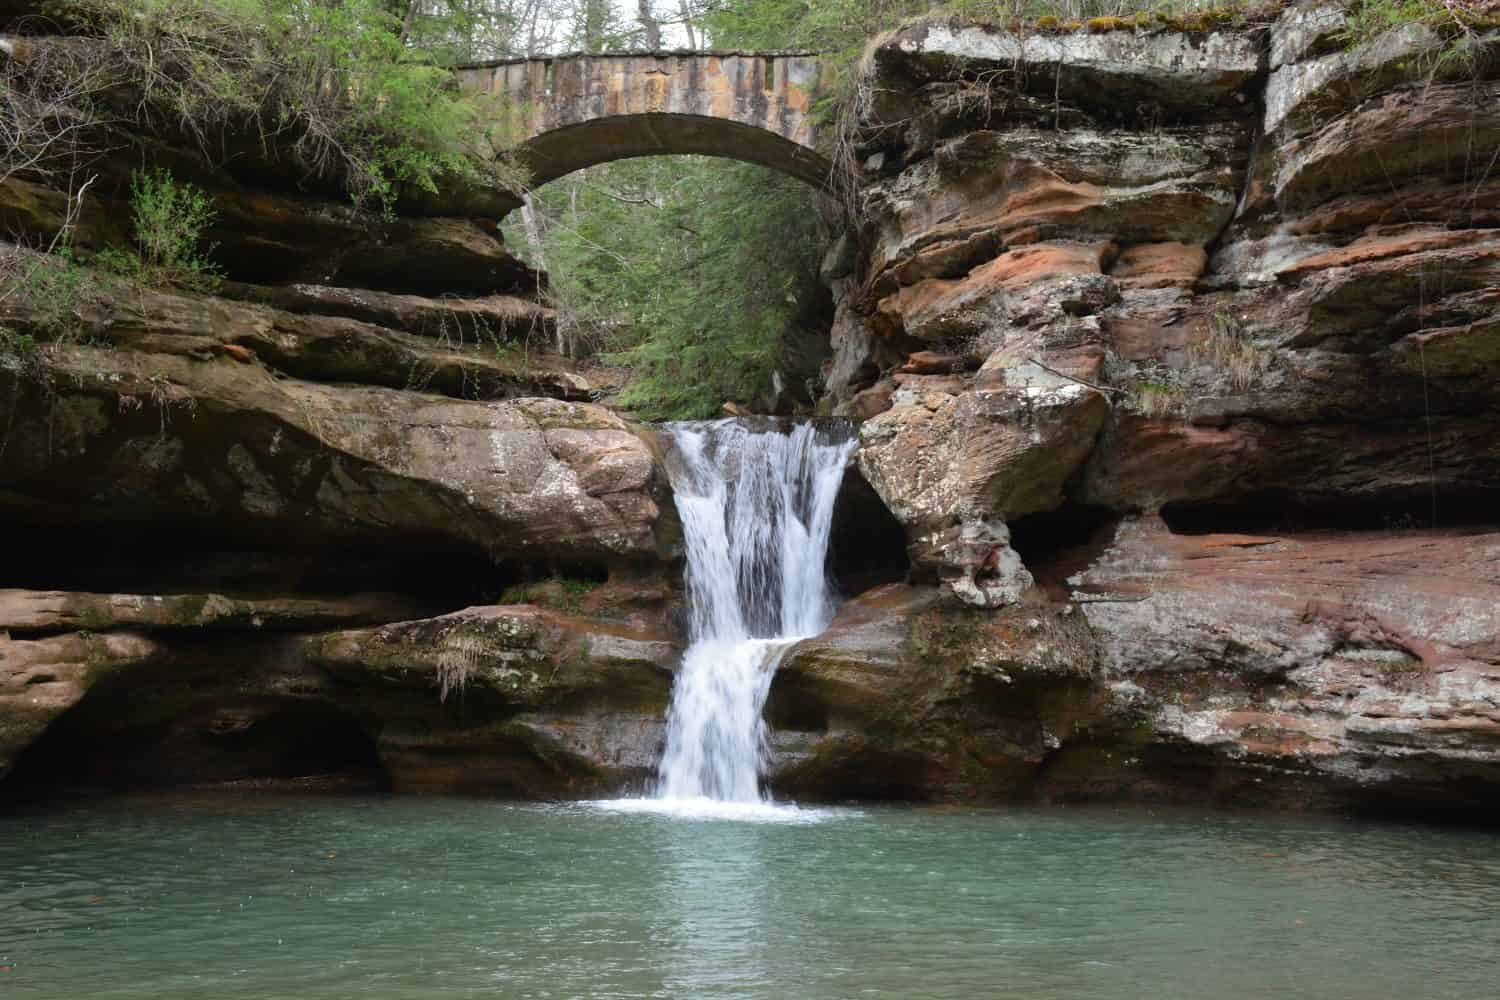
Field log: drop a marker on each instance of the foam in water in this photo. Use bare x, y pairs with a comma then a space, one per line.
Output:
719, 809
757, 507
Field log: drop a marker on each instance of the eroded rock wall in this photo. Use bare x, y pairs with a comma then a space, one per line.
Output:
367, 422
1176, 356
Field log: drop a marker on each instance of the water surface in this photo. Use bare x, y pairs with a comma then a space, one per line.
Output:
267, 896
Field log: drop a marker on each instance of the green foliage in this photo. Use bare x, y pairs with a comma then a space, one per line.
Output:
168, 219
48, 288
699, 274
1368, 18
16, 345
1456, 22
333, 84
560, 593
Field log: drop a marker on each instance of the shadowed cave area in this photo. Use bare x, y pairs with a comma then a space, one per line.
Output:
210, 714
868, 545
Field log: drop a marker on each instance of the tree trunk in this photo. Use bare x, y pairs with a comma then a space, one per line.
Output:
413, 8
533, 232
595, 24
649, 25
687, 23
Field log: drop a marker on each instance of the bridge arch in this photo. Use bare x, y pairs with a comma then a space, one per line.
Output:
580, 110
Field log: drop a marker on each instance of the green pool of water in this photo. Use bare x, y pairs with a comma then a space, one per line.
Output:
221, 897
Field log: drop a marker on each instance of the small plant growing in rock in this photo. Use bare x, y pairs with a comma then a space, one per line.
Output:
1229, 350
1456, 23
168, 219
560, 593
460, 656
44, 290
1161, 396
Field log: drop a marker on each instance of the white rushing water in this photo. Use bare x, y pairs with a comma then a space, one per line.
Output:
756, 504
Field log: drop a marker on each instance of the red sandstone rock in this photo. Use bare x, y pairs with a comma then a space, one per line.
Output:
1159, 265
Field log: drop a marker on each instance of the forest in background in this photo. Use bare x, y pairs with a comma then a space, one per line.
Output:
697, 275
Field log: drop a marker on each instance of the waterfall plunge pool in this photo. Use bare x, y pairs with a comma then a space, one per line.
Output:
225, 896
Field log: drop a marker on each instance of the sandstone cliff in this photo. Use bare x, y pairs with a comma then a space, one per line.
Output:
1177, 350
1175, 353
364, 423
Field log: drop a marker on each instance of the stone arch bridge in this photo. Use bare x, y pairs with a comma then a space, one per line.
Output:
579, 110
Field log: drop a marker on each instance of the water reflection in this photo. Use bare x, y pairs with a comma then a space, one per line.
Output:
716, 908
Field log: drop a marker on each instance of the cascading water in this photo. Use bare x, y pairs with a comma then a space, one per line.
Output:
756, 504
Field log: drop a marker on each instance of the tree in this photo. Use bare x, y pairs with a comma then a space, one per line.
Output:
650, 28
699, 274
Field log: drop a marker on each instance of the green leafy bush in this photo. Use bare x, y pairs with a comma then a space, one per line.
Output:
167, 223
168, 219
334, 85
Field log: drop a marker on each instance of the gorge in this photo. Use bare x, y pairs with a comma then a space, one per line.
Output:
1170, 348
1089, 588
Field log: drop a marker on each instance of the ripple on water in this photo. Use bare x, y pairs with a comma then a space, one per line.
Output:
426, 899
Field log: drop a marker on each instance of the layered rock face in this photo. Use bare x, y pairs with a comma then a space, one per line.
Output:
1175, 358
365, 422
1304, 670
1176, 352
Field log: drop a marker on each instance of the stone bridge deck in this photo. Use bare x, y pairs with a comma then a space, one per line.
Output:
578, 110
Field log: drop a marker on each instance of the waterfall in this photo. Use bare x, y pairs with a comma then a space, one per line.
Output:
756, 504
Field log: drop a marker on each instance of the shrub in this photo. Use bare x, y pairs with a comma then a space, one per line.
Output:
333, 85
1229, 350
168, 219
1160, 397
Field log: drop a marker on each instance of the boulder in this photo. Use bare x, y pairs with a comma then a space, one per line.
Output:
40, 679
906, 696
513, 699
954, 468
